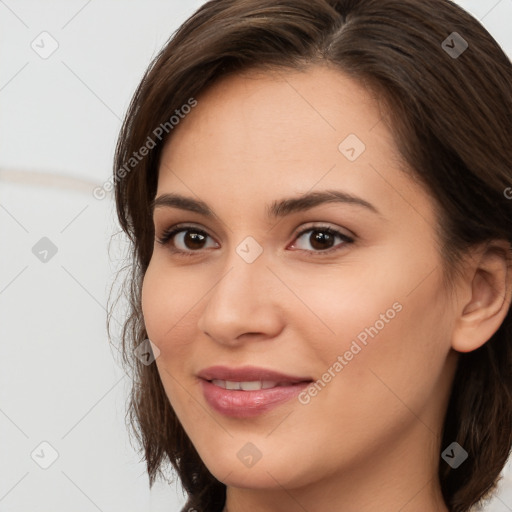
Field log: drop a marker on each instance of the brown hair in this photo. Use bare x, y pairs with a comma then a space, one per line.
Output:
451, 118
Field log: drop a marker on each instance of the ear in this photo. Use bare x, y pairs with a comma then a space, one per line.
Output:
486, 291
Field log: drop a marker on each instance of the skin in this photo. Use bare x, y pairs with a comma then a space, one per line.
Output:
370, 439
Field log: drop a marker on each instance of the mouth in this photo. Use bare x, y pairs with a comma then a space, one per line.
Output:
249, 374
248, 391
254, 385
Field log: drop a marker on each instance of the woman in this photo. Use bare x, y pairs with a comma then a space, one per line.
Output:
315, 195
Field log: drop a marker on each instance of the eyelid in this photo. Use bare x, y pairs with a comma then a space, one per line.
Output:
318, 226
169, 234
323, 225
183, 226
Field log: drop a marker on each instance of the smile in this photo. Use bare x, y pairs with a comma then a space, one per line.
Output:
254, 385
248, 391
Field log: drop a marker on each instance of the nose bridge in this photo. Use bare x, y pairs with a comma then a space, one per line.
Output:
245, 266
240, 301
240, 287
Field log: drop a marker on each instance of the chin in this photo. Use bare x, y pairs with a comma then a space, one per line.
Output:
269, 472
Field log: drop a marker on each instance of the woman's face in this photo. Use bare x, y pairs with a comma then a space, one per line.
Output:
306, 251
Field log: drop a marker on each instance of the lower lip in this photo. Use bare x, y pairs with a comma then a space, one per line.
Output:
247, 404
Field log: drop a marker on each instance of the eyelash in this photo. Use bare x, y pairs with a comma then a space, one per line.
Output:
168, 235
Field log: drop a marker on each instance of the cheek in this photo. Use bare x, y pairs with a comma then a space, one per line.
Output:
389, 321
335, 305
153, 304
395, 289
168, 308
168, 299
390, 374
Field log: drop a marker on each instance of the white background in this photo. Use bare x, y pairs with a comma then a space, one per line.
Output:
60, 381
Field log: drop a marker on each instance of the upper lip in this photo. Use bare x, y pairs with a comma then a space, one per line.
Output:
248, 374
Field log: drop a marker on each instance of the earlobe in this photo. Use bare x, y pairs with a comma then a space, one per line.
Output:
489, 278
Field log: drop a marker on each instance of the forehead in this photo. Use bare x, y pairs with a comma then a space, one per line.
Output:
279, 133
279, 114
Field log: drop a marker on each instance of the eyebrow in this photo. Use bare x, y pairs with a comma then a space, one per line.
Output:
276, 209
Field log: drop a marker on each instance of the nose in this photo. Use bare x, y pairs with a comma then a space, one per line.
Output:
243, 304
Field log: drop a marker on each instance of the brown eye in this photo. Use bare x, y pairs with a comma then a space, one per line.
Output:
320, 239
187, 239
193, 240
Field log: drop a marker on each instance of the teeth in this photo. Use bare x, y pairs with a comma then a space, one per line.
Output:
245, 386
251, 386
231, 385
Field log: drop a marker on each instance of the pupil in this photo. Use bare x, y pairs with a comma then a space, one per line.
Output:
194, 240
318, 238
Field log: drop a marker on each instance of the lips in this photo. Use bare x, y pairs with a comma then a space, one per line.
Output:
247, 385
248, 374
248, 391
